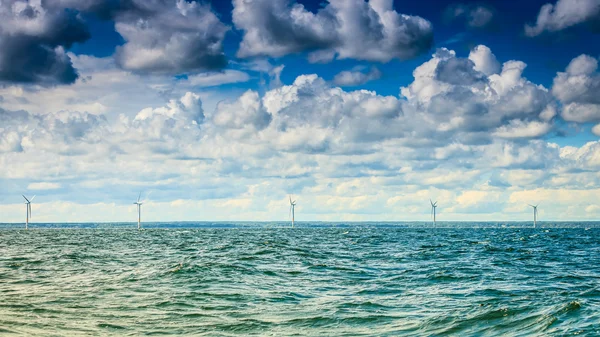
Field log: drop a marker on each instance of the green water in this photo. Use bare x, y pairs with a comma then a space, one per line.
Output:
363, 280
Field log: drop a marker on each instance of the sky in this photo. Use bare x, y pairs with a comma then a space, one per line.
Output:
362, 110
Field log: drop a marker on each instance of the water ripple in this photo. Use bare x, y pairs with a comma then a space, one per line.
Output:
308, 281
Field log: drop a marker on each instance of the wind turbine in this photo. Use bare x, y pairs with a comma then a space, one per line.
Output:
534, 214
292, 209
28, 210
433, 207
139, 209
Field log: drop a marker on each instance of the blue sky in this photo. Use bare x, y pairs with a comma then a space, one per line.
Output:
362, 109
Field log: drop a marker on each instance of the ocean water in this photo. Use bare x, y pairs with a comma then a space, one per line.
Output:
317, 280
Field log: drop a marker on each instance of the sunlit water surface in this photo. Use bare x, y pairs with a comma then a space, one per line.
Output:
318, 281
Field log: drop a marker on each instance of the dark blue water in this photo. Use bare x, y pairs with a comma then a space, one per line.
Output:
353, 280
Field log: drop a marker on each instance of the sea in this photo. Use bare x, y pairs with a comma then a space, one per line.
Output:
317, 279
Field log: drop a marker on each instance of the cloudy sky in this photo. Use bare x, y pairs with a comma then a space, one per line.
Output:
363, 110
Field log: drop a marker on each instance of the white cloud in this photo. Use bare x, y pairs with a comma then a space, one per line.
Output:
548, 199
563, 14
275, 75
475, 201
247, 111
520, 129
596, 130
161, 37
33, 38
187, 108
577, 89
219, 78
170, 37
463, 125
484, 60
43, 186
594, 209
105, 89
10, 142
582, 113
453, 97
356, 77
548, 113
354, 29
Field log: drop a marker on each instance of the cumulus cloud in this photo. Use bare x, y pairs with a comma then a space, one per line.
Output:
247, 111
355, 29
582, 113
577, 89
467, 101
520, 129
564, 14
161, 37
449, 101
356, 77
468, 97
33, 38
464, 124
170, 37
485, 61
536, 155
64, 132
187, 108
310, 101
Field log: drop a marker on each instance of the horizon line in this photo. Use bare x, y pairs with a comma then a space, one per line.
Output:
307, 221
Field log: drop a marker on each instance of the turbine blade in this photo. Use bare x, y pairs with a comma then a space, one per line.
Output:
29, 208
32, 199
139, 196
25, 198
431, 202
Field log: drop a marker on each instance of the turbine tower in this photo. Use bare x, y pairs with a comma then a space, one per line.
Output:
433, 207
292, 210
28, 210
139, 209
535, 211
